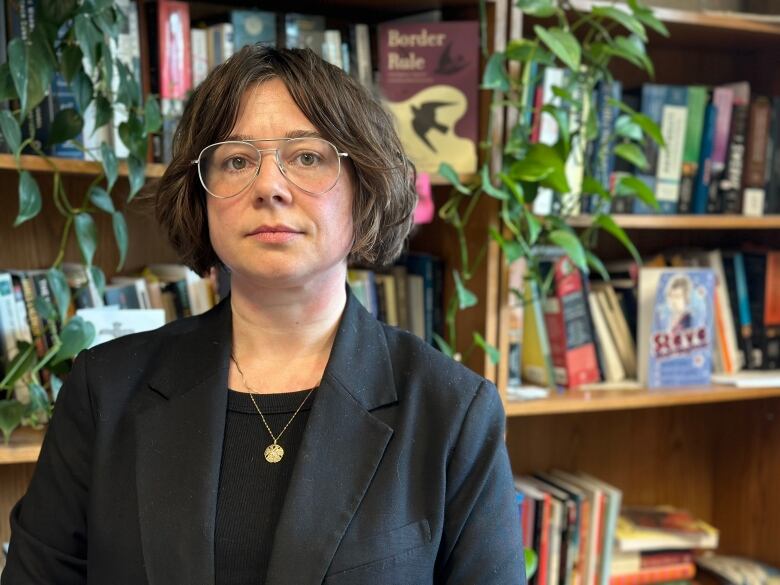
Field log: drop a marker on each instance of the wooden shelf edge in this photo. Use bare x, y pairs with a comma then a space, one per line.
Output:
684, 222
25, 447
70, 166
579, 402
723, 21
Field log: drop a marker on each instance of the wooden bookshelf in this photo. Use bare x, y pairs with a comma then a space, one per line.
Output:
69, 166
594, 401
24, 447
685, 222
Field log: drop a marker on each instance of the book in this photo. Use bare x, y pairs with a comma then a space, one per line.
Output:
304, 31
755, 265
675, 336
736, 283
732, 570
730, 185
361, 69
618, 326
651, 528
749, 379
723, 101
111, 323
754, 180
199, 42
772, 204
536, 363
694, 132
252, 27
429, 76
701, 184
772, 311
127, 49
613, 366
567, 319
679, 573
516, 275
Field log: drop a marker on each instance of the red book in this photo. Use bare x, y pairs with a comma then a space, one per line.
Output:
665, 559
568, 326
772, 299
173, 26
679, 572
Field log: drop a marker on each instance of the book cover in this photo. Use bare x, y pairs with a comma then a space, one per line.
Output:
429, 77
772, 205
199, 42
127, 49
251, 27
694, 131
772, 311
516, 276
174, 53
675, 326
734, 272
602, 162
703, 178
730, 185
567, 318
755, 264
360, 65
536, 363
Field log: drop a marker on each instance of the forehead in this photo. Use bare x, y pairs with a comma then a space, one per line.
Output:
267, 110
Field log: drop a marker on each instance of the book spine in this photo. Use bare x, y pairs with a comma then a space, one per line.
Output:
694, 130
515, 322
664, 559
603, 160
730, 187
723, 99
755, 277
653, 97
362, 47
754, 179
772, 205
8, 324
669, 168
200, 55
704, 170
656, 575
127, 49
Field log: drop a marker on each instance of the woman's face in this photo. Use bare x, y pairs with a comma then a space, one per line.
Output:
273, 234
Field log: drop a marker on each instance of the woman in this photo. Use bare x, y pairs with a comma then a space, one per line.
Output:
284, 437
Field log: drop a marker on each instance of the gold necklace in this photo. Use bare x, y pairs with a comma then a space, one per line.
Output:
274, 452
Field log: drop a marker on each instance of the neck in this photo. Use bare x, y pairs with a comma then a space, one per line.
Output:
282, 337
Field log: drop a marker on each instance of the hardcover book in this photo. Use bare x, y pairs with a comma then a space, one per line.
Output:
429, 75
675, 326
253, 26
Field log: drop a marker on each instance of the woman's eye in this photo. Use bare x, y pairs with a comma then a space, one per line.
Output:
237, 163
308, 159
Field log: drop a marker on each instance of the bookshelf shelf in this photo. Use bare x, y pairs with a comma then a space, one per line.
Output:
25, 446
686, 222
69, 166
578, 402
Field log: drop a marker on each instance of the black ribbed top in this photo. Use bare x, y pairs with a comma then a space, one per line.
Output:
251, 490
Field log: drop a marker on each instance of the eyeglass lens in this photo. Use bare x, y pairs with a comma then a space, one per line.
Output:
227, 168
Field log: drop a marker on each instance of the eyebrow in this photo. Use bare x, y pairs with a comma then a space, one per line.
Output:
290, 134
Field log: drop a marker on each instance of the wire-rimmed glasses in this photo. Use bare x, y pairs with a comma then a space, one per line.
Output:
228, 168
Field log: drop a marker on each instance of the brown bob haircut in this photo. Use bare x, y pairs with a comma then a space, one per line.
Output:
343, 112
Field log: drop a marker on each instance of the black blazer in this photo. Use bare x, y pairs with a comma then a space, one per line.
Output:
402, 477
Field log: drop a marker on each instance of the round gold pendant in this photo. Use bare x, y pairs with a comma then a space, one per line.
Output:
274, 453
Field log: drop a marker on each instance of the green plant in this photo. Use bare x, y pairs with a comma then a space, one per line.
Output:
583, 44
71, 39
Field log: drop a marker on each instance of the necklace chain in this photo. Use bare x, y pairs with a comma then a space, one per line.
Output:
252, 393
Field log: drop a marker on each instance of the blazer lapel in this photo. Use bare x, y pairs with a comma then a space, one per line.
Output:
180, 424
341, 449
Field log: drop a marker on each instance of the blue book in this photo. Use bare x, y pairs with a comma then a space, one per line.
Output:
425, 265
253, 26
675, 326
667, 106
704, 172
602, 162
62, 98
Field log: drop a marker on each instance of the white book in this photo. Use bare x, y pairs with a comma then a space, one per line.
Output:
141, 288
8, 319
111, 323
548, 131
331, 48
613, 366
674, 121
199, 46
749, 379
198, 289
362, 48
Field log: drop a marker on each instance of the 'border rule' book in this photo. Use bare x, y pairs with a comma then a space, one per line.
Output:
429, 77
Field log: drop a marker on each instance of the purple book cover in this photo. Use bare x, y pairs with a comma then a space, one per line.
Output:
723, 99
681, 335
429, 76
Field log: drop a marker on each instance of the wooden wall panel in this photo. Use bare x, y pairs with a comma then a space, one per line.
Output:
14, 480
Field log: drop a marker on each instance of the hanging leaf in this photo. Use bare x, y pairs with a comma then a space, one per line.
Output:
561, 119
88, 38
594, 187
608, 224
531, 563
646, 16
7, 89
490, 350
11, 413
446, 171
633, 50
82, 90
514, 187
534, 226
26, 77
487, 185
29, 198
97, 276
75, 336
627, 128
136, 175
56, 11
633, 154
511, 249
86, 234
572, 245
546, 164
630, 185
466, 298
495, 76
101, 199
625, 19
596, 263
120, 234
70, 62
39, 399
563, 44
103, 111
11, 131
538, 8
67, 124
61, 291
152, 115
110, 165
443, 345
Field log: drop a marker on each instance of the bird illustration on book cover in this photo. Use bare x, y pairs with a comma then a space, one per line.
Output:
429, 78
